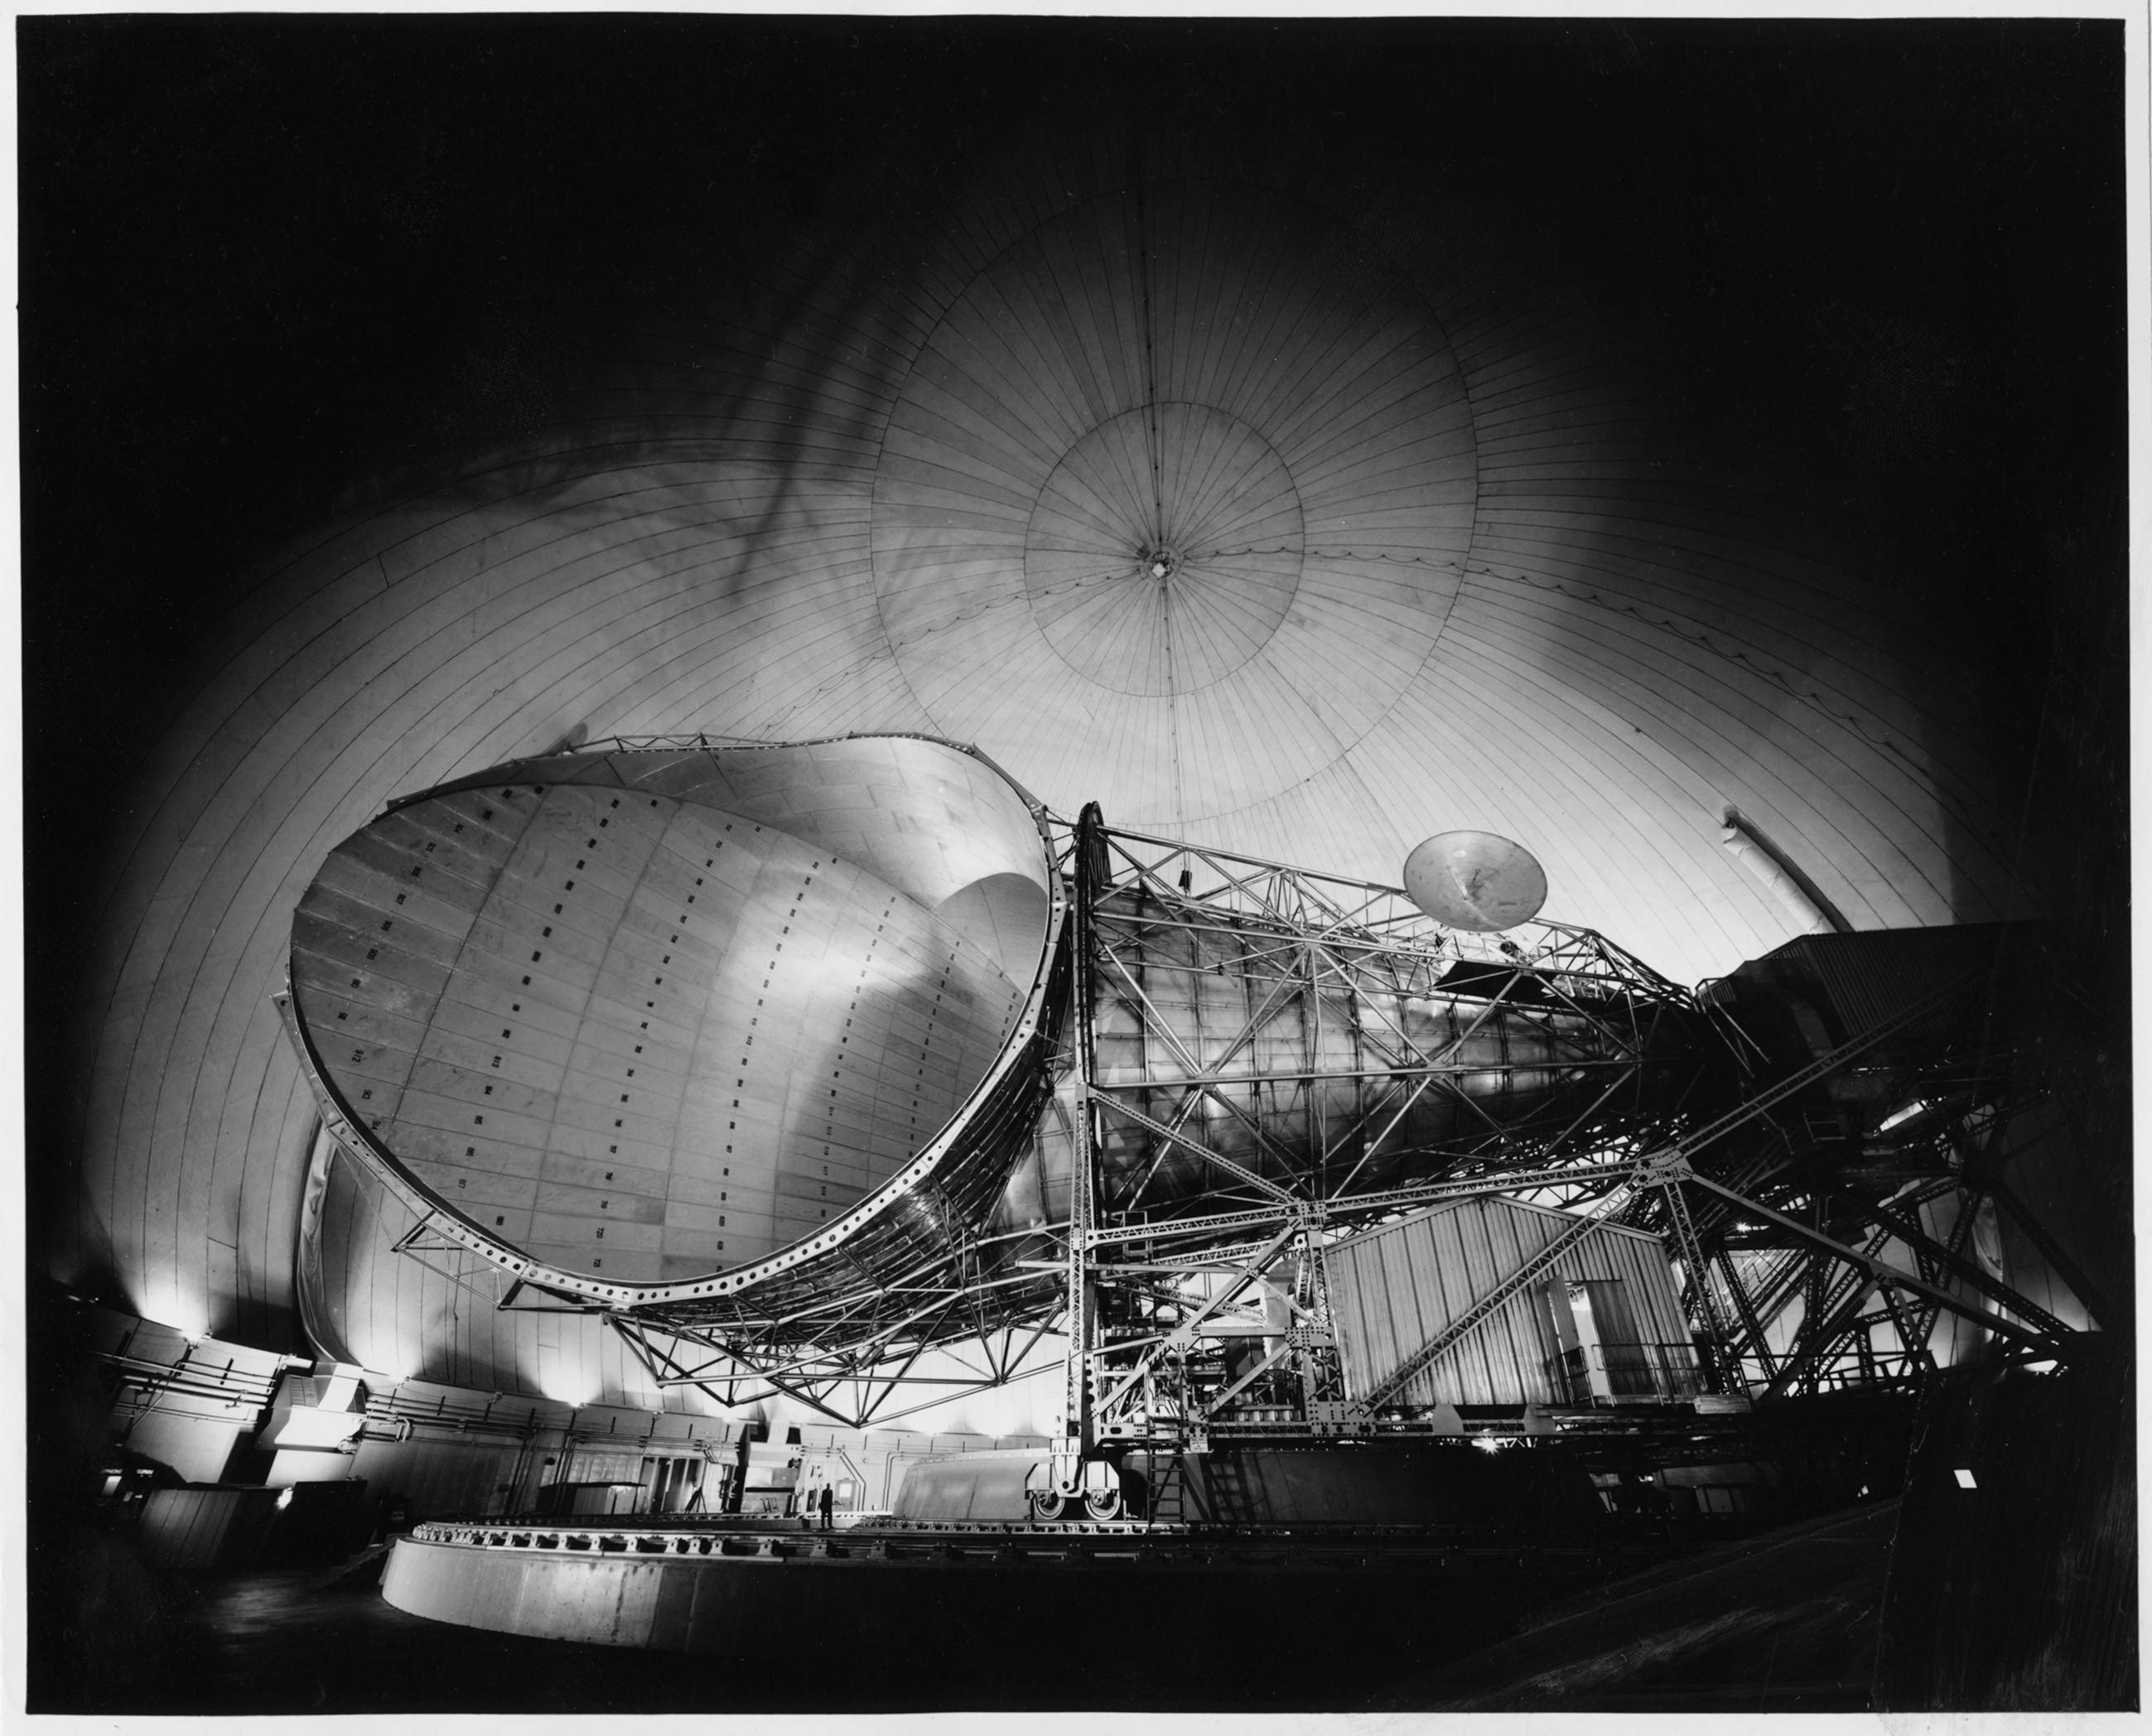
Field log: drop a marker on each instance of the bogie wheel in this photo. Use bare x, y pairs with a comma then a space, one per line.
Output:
1102, 1503
1048, 1504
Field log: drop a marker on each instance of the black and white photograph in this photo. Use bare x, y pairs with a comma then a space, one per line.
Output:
1363, 782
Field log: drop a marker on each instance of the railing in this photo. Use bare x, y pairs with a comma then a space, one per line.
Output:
1654, 1373
1323, 1547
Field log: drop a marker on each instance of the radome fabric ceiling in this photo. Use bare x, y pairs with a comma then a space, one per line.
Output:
1289, 513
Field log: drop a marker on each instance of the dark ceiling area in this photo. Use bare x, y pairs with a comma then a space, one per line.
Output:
264, 259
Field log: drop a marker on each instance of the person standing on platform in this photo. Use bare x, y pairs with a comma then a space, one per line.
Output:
828, 1505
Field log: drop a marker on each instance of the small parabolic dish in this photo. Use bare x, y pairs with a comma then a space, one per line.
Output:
1476, 881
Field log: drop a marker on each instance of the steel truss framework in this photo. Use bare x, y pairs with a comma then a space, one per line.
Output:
1213, 1160
1170, 1281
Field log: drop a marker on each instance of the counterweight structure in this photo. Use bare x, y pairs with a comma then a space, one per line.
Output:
1184, 1084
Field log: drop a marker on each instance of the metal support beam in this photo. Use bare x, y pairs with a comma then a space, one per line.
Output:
1079, 1424
1816, 1071
1970, 1270
1891, 1275
1699, 1273
1159, 1129
2094, 1301
1752, 1327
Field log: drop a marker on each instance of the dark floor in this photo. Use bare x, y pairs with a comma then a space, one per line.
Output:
1781, 1622
1784, 1622
278, 1642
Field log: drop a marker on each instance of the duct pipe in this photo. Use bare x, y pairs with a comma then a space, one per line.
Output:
1787, 885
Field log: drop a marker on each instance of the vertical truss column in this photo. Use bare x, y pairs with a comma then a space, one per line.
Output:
1698, 1270
1314, 1340
1079, 1423
1752, 1325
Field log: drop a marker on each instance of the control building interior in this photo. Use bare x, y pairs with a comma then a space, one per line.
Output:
1076, 820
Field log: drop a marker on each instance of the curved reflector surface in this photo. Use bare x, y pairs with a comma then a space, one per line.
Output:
643, 1016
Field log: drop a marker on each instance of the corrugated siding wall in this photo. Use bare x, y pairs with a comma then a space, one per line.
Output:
438, 1477
200, 1530
1870, 977
1394, 1290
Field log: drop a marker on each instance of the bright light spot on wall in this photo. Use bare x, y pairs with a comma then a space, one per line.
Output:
283, 1500
568, 1385
1965, 1480
190, 1319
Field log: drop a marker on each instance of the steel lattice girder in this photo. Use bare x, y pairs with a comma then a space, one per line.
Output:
1281, 1052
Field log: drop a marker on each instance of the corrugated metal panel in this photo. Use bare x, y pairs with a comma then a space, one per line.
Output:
200, 1530
440, 1476
1396, 1289
1868, 978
